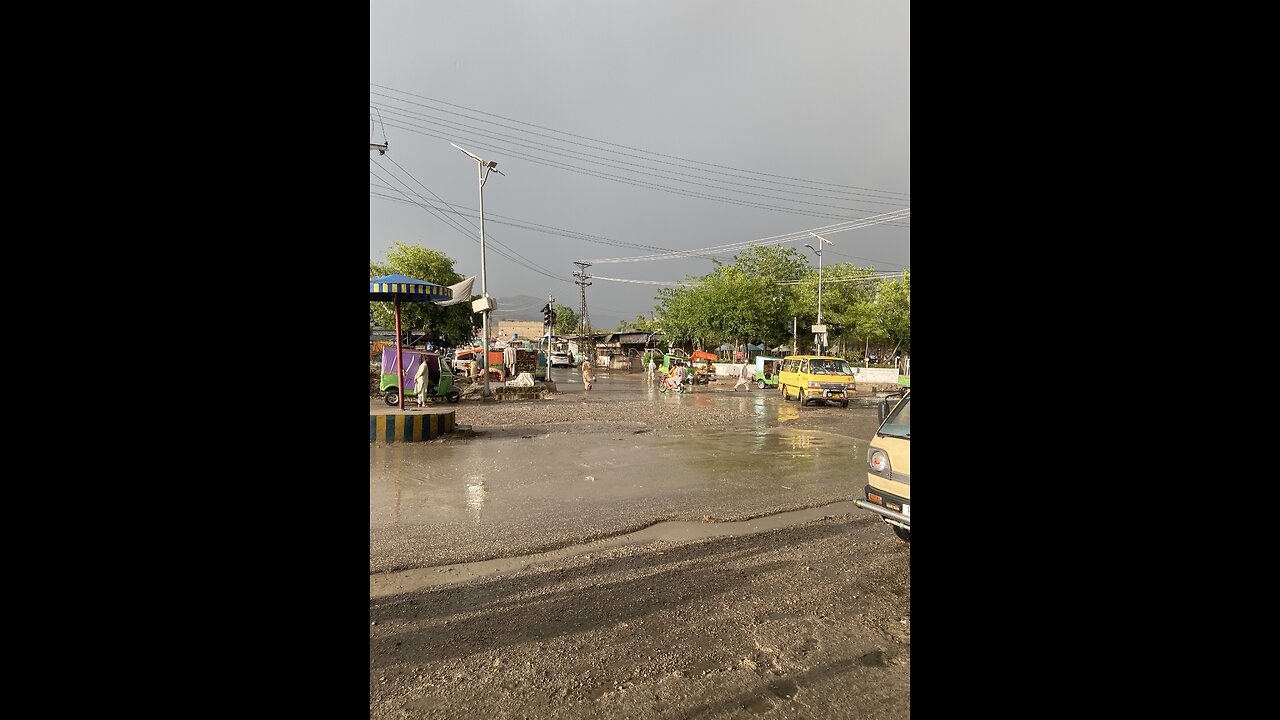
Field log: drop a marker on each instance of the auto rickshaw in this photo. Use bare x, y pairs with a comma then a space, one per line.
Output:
412, 358
767, 371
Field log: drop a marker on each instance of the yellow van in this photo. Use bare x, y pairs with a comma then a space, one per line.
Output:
888, 490
816, 378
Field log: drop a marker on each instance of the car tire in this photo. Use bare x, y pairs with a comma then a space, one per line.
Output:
803, 401
844, 404
904, 534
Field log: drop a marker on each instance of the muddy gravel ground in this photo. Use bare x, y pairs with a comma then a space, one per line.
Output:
810, 621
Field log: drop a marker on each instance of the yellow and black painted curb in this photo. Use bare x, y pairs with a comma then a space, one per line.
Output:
389, 428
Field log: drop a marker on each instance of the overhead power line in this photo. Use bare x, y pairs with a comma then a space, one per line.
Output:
463, 210
774, 240
698, 163
453, 224
407, 115
529, 224
627, 181
488, 236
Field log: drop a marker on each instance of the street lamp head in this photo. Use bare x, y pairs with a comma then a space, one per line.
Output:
493, 165
473, 157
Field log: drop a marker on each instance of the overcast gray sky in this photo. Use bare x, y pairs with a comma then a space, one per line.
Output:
627, 128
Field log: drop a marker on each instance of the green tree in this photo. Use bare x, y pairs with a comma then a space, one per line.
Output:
847, 290
454, 325
756, 297
772, 262
641, 323
780, 302
893, 311
566, 320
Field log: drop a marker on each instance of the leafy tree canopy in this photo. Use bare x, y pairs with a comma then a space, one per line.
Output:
450, 326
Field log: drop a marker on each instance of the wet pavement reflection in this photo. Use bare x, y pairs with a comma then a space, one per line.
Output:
552, 483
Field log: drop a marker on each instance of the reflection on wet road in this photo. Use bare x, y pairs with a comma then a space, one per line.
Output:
488, 478
559, 483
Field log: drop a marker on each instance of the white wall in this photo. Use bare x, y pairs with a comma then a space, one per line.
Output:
876, 376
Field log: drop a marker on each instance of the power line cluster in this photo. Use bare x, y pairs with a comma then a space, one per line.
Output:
502, 249
780, 188
762, 242
443, 125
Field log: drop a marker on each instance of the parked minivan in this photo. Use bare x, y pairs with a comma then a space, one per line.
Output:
816, 378
888, 490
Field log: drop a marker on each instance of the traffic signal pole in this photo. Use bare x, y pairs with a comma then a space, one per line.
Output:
548, 324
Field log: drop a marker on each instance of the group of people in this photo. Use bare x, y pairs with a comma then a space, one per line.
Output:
677, 377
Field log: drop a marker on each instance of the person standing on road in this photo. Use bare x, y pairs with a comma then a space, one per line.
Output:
588, 374
420, 381
653, 368
745, 376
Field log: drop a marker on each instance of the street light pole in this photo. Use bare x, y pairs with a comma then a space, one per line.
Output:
482, 173
822, 240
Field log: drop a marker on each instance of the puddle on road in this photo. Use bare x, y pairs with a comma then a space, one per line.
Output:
384, 584
499, 482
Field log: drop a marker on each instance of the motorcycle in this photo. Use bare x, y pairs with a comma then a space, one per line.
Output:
686, 384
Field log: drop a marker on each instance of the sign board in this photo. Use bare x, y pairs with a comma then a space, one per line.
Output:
819, 328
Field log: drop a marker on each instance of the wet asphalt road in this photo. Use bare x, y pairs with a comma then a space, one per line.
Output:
805, 620
544, 474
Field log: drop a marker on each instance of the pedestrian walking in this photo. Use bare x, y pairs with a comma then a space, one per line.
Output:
653, 369
588, 374
745, 376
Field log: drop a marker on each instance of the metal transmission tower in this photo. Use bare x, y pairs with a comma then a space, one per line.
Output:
585, 344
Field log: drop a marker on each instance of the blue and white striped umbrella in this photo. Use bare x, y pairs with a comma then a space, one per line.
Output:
400, 287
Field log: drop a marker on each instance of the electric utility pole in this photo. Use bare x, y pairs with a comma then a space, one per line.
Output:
584, 323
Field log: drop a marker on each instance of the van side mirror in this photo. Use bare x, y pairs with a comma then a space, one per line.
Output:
882, 410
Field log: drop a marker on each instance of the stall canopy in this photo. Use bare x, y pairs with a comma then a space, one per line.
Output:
395, 288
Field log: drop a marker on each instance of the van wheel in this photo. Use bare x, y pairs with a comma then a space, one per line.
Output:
803, 401
844, 404
904, 534
392, 397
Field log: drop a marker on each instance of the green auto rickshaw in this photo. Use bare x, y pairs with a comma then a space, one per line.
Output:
412, 358
767, 371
